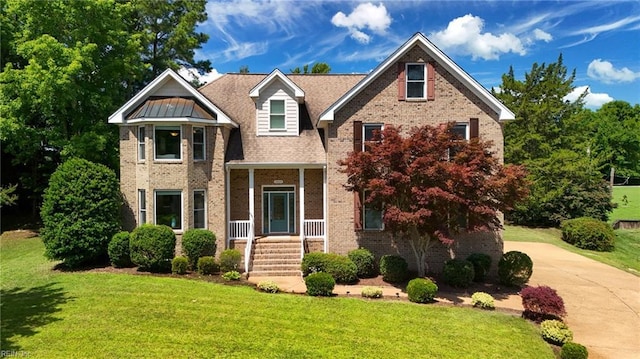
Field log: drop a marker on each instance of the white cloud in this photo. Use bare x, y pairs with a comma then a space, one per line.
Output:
364, 16
191, 74
542, 35
591, 100
464, 36
605, 72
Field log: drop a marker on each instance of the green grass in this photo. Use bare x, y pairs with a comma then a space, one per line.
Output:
629, 209
625, 256
102, 315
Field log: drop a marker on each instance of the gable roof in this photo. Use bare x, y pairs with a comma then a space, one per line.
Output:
441, 58
273, 76
120, 116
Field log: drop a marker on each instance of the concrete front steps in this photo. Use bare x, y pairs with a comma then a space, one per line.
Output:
275, 257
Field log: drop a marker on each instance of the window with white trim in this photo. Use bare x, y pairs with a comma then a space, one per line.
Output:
167, 141
168, 208
142, 207
368, 130
199, 144
372, 218
141, 143
416, 81
461, 131
199, 208
276, 115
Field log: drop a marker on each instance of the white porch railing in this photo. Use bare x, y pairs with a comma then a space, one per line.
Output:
239, 229
314, 228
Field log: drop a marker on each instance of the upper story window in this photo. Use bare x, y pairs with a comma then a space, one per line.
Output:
461, 130
416, 81
368, 131
276, 115
167, 140
141, 143
198, 144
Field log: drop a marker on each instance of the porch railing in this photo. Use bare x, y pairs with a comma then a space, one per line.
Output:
239, 229
314, 228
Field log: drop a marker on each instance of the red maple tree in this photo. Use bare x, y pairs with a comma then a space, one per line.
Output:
432, 184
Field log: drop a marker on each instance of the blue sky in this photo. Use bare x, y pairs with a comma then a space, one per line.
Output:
600, 40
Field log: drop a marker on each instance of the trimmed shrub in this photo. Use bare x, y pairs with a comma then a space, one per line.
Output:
482, 300
179, 265
372, 292
394, 269
341, 268
152, 247
231, 275
80, 212
515, 268
541, 303
207, 265
481, 265
319, 284
555, 332
198, 242
421, 290
268, 286
119, 250
230, 260
571, 350
458, 273
364, 261
588, 233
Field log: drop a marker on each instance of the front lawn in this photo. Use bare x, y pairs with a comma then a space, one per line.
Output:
625, 256
627, 199
82, 314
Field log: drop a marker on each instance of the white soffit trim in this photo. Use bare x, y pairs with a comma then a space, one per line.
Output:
118, 117
441, 59
277, 74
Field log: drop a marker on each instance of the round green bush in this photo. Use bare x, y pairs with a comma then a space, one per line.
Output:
198, 242
319, 284
571, 350
555, 332
80, 212
458, 273
421, 290
341, 268
482, 300
119, 250
231, 275
481, 265
515, 268
207, 265
179, 265
364, 261
588, 233
230, 260
394, 269
152, 247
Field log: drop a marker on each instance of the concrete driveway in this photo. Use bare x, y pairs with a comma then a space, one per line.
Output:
602, 302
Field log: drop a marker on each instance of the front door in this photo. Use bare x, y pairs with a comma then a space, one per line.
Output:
278, 210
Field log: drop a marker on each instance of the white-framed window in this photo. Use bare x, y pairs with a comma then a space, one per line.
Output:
368, 130
142, 207
141, 143
416, 81
168, 208
372, 218
461, 130
199, 208
199, 148
276, 115
167, 142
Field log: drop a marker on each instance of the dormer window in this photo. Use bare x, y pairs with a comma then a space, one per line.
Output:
167, 141
276, 115
416, 81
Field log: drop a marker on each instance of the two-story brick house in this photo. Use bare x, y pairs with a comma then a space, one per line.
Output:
254, 157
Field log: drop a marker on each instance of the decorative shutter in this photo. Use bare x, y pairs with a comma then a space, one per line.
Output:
402, 87
474, 128
357, 203
431, 81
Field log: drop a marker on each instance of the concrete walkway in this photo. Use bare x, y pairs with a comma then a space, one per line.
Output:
602, 302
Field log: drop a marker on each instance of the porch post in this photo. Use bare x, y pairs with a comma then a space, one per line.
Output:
251, 202
325, 209
301, 199
227, 198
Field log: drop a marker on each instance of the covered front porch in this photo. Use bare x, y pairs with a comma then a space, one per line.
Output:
276, 203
